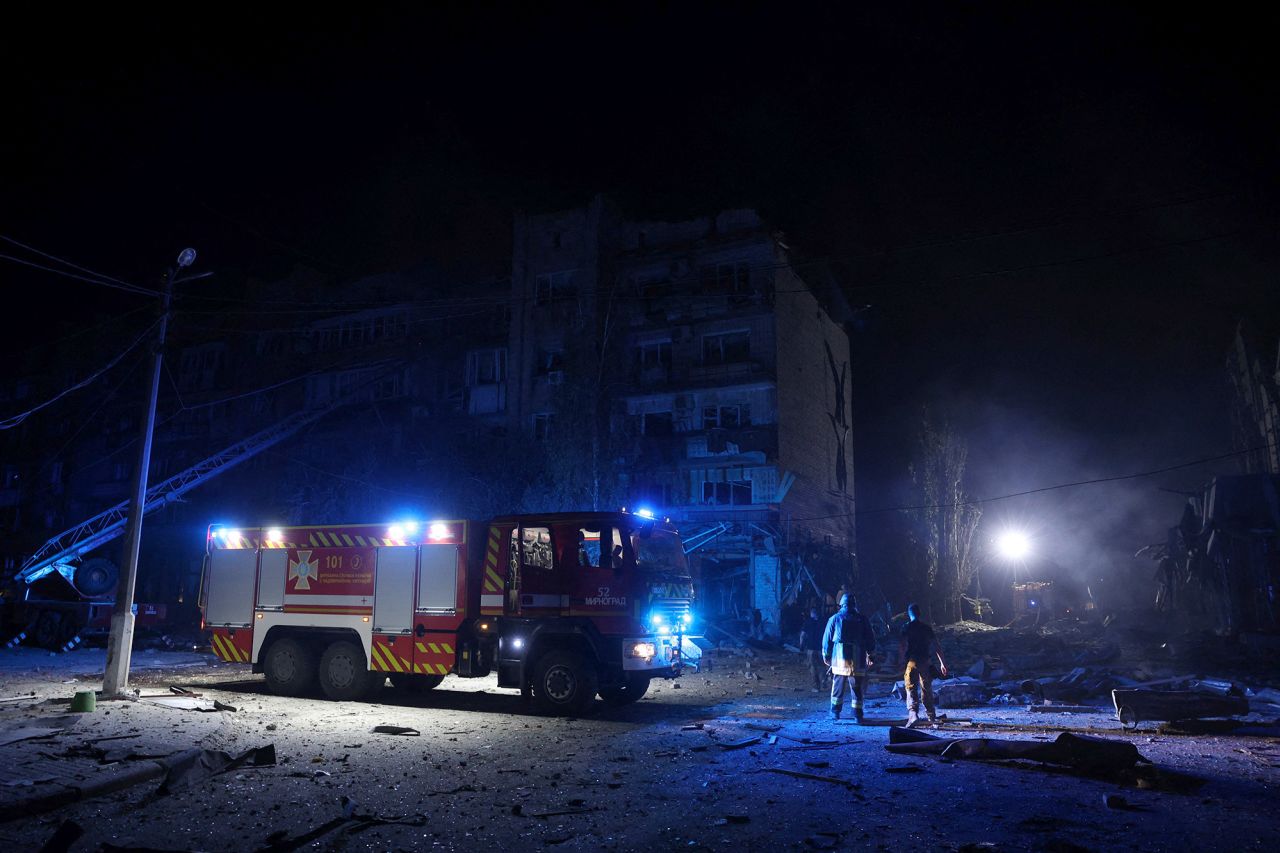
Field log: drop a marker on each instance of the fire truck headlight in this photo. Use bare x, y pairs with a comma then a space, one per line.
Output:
517, 643
643, 650
439, 530
274, 535
395, 531
231, 537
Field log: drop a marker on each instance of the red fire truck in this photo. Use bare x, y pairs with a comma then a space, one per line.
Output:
563, 606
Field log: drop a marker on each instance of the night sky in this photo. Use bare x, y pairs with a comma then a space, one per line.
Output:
1056, 213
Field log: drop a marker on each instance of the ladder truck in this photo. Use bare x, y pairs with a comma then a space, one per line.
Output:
59, 595
562, 606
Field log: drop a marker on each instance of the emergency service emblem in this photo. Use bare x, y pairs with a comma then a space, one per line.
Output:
303, 570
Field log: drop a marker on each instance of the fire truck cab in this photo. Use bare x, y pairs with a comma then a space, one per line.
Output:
563, 606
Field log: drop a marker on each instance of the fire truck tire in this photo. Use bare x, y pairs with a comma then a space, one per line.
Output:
48, 633
563, 684
290, 667
415, 683
630, 690
344, 677
95, 577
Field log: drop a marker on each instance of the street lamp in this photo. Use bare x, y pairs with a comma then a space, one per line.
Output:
120, 643
1013, 545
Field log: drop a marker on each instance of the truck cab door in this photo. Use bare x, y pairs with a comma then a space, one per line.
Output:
532, 587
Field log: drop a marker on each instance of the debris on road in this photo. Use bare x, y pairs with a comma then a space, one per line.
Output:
1135, 706
396, 730
751, 741
1076, 751
39, 728
813, 776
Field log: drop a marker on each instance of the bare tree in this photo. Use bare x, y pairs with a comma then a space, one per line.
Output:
944, 529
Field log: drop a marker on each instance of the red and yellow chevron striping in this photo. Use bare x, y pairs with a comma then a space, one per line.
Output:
227, 650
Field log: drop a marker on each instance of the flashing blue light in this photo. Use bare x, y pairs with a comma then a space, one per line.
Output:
688, 619
645, 512
411, 527
664, 630
656, 618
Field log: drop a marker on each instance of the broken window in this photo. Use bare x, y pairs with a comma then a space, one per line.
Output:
542, 425
658, 423
589, 547
726, 347
725, 417
654, 354
727, 493
733, 277
554, 287
534, 545
486, 366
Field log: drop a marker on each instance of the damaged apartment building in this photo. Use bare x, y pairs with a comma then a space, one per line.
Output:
683, 366
693, 371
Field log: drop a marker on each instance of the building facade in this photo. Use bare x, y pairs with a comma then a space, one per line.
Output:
687, 367
693, 370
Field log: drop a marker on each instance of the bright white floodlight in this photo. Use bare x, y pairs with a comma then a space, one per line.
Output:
1013, 545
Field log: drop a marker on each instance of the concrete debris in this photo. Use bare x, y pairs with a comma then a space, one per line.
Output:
813, 776
396, 730
742, 743
67, 833
1079, 752
1135, 706
39, 728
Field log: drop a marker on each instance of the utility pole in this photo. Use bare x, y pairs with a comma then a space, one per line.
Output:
120, 644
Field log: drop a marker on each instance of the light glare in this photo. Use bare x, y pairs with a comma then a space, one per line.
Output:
1013, 545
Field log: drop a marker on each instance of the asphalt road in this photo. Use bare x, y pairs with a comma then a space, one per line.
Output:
487, 772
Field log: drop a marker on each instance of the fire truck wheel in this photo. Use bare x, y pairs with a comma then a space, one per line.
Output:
48, 633
626, 692
415, 683
343, 674
563, 684
290, 667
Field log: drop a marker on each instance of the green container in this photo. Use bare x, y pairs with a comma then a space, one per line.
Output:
84, 700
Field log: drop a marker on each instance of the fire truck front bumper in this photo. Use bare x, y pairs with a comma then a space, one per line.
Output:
658, 655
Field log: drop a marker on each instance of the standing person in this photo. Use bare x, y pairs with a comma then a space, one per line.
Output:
757, 625
811, 648
919, 647
847, 645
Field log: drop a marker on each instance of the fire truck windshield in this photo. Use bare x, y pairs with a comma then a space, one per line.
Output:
659, 552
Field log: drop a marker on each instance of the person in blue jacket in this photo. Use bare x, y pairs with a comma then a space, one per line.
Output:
847, 645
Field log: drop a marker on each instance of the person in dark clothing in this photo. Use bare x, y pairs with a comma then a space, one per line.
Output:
919, 647
757, 625
811, 648
847, 645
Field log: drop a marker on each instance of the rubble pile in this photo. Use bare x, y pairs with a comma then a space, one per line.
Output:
1076, 664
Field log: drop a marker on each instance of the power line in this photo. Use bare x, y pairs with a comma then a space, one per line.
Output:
65, 274
1042, 489
16, 420
327, 306
797, 265
56, 341
85, 421
65, 262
